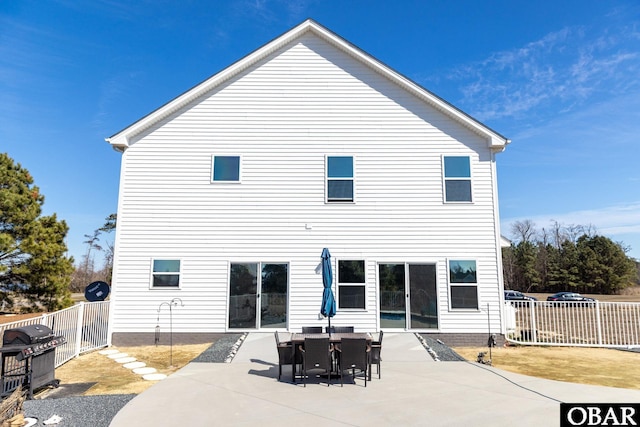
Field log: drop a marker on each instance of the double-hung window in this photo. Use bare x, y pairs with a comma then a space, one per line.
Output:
225, 169
463, 284
340, 178
457, 178
165, 273
351, 284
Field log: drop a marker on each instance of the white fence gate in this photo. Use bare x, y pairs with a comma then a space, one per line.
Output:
84, 326
588, 324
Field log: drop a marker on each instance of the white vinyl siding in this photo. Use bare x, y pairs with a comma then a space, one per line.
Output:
283, 116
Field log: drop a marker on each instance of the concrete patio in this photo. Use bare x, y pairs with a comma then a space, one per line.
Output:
414, 390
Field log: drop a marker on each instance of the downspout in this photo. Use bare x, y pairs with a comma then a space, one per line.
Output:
498, 235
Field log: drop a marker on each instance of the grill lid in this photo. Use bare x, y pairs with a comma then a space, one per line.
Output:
25, 335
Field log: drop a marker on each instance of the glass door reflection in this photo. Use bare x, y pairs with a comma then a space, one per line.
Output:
274, 297
243, 296
408, 296
393, 311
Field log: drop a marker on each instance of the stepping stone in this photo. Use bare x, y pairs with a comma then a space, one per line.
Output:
110, 351
144, 371
117, 355
134, 365
154, 377
126, 359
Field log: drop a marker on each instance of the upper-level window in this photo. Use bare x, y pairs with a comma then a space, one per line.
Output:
226, 169
457, 179
463, 284
166, 273
339, 179
351, 284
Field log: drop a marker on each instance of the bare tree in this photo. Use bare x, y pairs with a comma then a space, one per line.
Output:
85, 273
525, 231
108, 227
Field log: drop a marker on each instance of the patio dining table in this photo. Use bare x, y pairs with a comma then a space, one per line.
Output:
334, 337
297, 339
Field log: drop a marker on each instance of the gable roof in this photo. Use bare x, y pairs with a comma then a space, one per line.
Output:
120, 141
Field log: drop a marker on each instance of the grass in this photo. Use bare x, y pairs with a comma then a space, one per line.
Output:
110, 377
595, 366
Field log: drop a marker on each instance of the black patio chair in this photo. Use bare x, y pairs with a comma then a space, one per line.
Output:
285, 356
312, 329
354, 354
316, 356
375, 355
339, 329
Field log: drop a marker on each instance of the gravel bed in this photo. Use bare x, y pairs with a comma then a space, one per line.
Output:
221, 350
440, 351
77, 411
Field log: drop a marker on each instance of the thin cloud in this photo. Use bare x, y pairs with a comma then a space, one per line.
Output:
563, 69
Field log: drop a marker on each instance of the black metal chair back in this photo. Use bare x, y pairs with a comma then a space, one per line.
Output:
285, 355
354, 355
316, 356
375, 355
339, 329
312, 329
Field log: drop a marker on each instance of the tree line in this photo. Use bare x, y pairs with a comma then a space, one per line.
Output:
566, 258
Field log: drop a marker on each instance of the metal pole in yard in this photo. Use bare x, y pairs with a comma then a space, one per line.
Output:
490, 341
170, 304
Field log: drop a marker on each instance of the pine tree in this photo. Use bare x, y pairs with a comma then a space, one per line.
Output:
32, 247
604, 266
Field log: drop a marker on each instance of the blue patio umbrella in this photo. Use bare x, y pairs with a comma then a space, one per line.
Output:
328, 308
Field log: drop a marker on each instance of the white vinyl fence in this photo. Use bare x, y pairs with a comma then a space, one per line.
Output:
84, 326
588, 324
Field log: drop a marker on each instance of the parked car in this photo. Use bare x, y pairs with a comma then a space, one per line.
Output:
568, 296
518, 296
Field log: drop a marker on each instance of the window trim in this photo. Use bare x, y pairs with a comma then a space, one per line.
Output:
340, 284
452, 284
170, 273
446, 179
327, 178
213, 163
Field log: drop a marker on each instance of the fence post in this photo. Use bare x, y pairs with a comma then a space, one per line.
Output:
598, 322
79, 324
534, 327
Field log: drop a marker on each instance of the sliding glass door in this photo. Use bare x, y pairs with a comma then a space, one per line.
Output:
408, 296
258, 300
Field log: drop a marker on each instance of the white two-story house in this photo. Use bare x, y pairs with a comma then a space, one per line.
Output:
230, 192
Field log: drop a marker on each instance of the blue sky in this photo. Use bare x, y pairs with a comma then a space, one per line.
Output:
561, 79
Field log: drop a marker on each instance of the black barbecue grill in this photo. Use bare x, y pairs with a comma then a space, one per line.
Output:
28, 358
